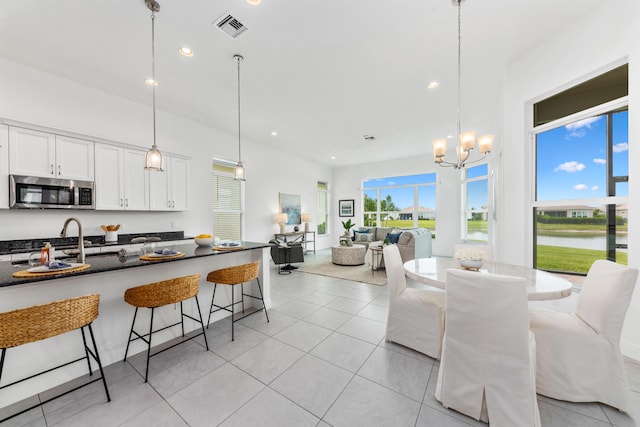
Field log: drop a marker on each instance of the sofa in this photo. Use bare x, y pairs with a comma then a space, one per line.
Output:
412, 243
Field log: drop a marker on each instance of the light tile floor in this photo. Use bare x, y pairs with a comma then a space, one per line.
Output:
321, 361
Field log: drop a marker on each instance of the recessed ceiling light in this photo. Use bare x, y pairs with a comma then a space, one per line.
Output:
433, 85
185, 51
333, 157
274, 133
254, 2
151, 82
449, 136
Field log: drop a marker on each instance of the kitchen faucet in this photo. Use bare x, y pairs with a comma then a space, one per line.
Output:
63, 233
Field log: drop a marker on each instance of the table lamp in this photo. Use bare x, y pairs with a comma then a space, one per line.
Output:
306, 217
282, 219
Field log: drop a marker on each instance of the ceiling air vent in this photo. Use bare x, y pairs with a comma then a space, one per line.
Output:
230, 25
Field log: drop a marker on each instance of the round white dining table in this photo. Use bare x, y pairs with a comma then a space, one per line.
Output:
541, 285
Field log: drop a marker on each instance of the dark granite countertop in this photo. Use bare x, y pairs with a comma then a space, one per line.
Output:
8, 247
112, 262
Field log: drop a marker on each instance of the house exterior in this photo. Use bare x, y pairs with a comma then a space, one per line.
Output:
423, 213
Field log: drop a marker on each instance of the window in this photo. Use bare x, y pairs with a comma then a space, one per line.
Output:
401, 201
580, 207
227, 206
475, 198
323, 205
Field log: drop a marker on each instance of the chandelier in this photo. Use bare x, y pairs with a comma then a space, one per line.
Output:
467, 140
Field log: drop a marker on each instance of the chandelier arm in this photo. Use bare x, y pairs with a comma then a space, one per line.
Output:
475, 161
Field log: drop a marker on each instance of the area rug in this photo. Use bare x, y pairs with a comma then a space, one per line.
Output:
323, 266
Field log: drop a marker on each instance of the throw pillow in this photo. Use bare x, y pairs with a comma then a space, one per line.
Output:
357, 233
405, 238
393, 237
364, 237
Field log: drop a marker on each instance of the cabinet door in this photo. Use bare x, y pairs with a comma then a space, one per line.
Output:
179, 184
31, 152
74, 158
4, 167
136, 192
159, 188
109, 172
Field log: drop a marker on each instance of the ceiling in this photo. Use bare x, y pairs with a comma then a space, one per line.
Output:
321, 74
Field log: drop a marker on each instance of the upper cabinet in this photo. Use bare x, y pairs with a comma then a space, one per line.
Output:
4, 167
121, 181
36, 153
169, 190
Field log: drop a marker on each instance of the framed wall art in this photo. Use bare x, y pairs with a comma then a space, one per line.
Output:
292, 206
345, 207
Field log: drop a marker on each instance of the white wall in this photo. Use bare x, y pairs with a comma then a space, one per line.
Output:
32, 96
347, 182
599, 38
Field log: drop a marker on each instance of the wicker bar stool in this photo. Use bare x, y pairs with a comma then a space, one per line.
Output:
158, 294
31, 324
236, 275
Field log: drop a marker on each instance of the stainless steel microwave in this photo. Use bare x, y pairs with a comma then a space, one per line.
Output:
32, 192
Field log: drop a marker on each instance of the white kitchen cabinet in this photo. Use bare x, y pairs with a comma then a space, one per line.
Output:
74, 158
37, 153
169, 190
4, 167
121, 181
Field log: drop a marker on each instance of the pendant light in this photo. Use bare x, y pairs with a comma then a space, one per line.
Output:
239, 171
466, 140
153, 160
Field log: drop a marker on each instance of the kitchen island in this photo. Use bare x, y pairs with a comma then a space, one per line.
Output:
110, 275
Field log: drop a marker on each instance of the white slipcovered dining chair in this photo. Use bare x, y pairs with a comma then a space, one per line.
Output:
486, 249
487, 370
579, 358
416, 316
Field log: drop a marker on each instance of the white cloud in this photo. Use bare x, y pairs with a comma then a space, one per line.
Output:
579, 128
600, 161
570, 167
586, 123
577, 134
595, 187
580, 187
619, 148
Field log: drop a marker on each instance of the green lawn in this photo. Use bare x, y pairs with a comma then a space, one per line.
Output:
557, 258
577, 227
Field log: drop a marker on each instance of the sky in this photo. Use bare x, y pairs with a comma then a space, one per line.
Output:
571, 159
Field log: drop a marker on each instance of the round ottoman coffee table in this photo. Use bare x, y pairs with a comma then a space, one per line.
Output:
348, 255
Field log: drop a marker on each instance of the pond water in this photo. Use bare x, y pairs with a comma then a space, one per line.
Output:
598, 242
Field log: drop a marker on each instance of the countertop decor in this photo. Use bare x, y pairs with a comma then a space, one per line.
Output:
29, 245
111, 262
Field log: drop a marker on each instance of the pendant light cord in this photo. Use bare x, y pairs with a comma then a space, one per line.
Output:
153, 72
459, 78
238, 60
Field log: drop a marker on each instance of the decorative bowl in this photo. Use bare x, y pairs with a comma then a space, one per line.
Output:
203, 241
470, 264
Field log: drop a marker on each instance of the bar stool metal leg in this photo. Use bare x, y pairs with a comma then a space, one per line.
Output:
146, 372
160, 294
